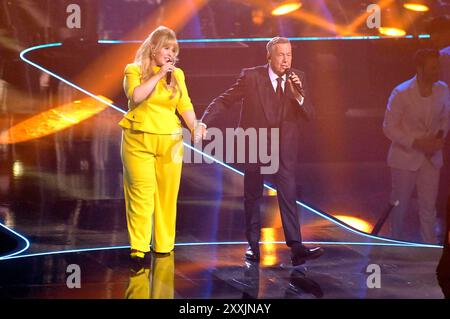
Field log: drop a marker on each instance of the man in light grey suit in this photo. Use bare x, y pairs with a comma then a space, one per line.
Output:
417, 122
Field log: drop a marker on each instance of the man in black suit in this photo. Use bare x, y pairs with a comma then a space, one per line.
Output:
272, 96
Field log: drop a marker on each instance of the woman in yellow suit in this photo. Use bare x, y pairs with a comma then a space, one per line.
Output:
152, 146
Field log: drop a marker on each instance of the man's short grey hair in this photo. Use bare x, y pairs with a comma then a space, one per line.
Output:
275, 41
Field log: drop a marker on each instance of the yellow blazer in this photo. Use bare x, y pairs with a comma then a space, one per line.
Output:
156, 114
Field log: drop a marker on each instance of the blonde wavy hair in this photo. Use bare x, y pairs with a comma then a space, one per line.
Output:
158, 39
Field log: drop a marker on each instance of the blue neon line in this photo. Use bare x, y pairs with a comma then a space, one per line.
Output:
83, 250
309, 243
228, 40
22, 56
213, 159
59, 252
326, 216
27, 243
356, 231
119, 41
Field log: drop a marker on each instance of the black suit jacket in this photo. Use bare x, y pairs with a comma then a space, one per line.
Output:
261, 108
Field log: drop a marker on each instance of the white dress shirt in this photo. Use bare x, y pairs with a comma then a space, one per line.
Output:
273, 79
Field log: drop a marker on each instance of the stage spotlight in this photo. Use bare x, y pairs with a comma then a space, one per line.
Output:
258, 17
286, 8
18, 169
355, 222
416, 6
392, 32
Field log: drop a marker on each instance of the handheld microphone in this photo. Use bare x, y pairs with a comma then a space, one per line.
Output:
169, 75
299, 88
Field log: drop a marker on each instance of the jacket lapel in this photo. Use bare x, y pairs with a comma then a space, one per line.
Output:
267, 96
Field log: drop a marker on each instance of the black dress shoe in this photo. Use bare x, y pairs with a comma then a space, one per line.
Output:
299, 257
252, 254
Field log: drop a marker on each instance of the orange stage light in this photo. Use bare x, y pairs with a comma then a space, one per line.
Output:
355, 222
286, 8
53, 120
416, 7
269, 257
392, 32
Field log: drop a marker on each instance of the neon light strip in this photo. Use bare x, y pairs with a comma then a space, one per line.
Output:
330, 243
323, 215
371, 37
27, 242
22, 56
326, 216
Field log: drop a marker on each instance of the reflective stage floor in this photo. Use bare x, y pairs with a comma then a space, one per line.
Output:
217, 271
76, 216
61, 204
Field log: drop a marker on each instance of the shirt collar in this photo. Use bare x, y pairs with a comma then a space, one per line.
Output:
273, 76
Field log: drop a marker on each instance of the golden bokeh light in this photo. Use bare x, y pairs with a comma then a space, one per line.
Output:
416, 7
269, 256
355, 222
53, 120
286, 8
392, 32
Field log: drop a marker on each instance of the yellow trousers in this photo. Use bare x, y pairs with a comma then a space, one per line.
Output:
151, 173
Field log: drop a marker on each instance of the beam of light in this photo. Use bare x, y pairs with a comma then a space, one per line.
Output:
318, 21
286, 8
355, 222
79, 88
392, 32
269, 250
358, 21
302, 15
8, 43
417, 7
174, 14
53, 120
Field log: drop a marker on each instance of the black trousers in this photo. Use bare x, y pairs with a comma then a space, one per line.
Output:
286, 193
